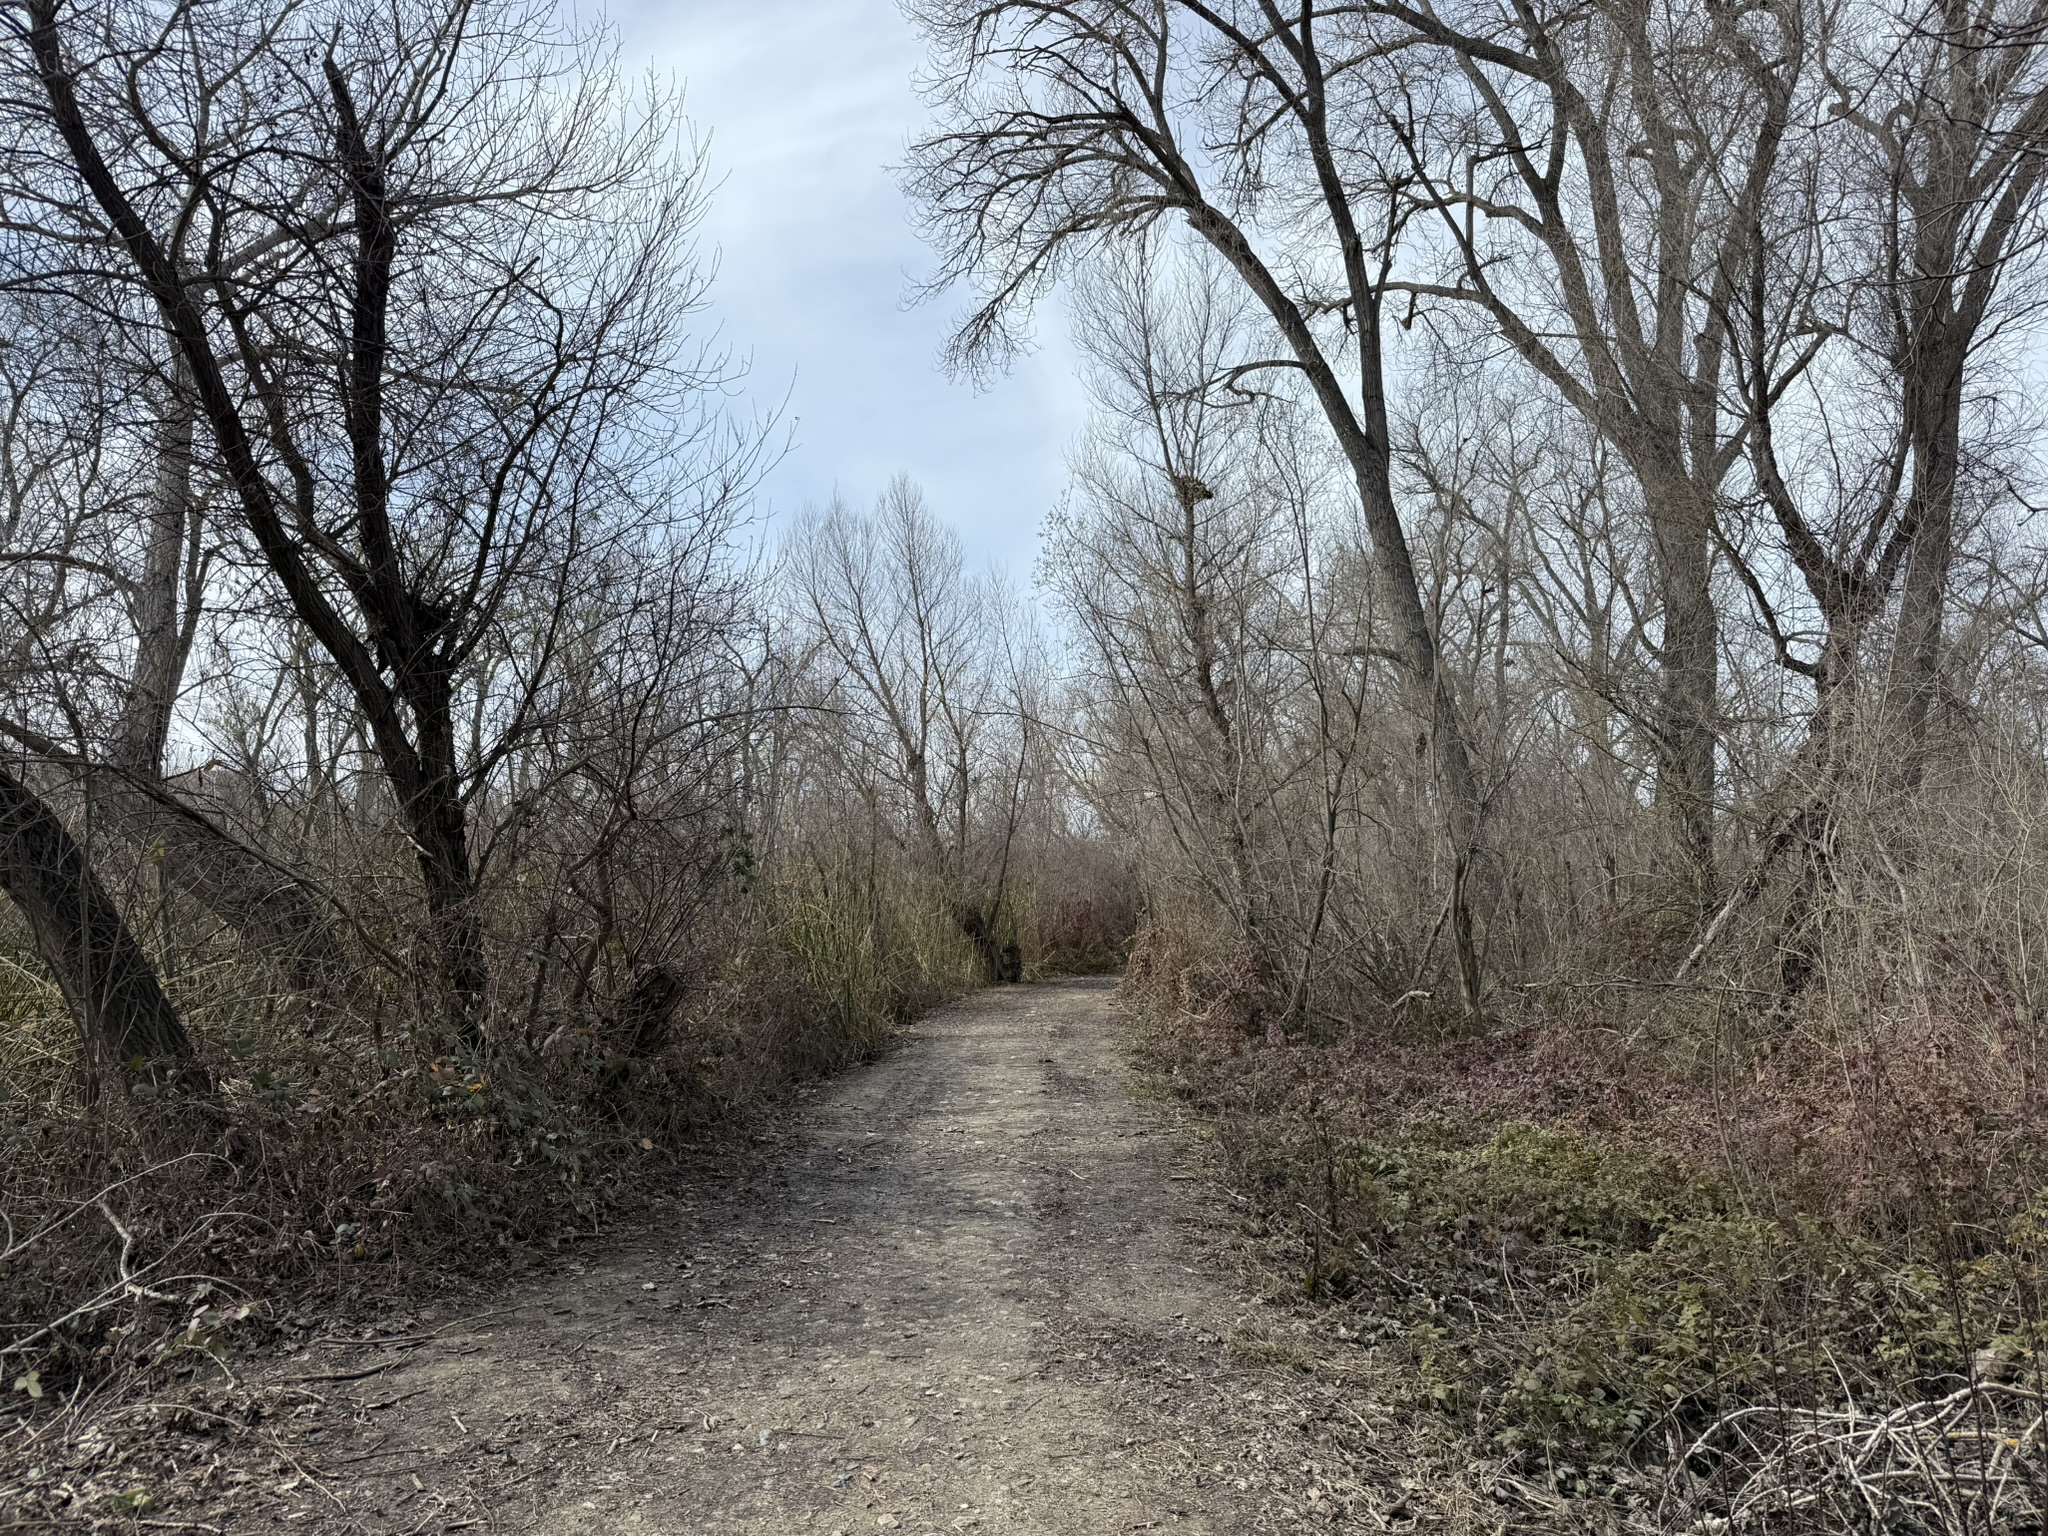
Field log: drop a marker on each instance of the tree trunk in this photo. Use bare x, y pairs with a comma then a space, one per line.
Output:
202, 861
1681, 526
192, 854
1457, 779
1222, 788
106, 979
439, 825
160, 647
1934, 426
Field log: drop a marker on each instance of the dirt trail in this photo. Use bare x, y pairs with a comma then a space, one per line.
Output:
971, 1294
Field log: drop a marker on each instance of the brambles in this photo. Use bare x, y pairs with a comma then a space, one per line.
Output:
1649, 1281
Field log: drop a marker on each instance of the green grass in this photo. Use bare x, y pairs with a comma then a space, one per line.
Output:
1574, 1295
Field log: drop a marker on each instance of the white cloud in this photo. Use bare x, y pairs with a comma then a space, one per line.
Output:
807, 104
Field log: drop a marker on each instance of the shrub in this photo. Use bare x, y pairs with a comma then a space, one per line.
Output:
1589, 1250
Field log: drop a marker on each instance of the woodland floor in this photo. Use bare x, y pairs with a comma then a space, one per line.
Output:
982, 1284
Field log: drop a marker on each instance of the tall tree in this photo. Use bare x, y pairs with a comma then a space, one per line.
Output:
1068, 124
52, 592
1595, 168
1223, 685
1952, 101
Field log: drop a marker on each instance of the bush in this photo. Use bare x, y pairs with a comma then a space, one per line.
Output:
1544, 1224
351, 1156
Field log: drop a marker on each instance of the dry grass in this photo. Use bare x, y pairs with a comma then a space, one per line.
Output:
344, 1158
1966, 1461
361, 1161
1692, 1260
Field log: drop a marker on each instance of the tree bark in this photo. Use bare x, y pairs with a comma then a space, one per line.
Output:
1934, 408
432, 806
107, 981
1689, 675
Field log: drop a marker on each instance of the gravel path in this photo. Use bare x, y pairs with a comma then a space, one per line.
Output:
971, 1290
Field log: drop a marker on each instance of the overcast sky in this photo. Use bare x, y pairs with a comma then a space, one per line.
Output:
808, 104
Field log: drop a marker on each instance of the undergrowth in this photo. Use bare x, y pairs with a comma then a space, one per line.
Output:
339, 1156
1603, 1253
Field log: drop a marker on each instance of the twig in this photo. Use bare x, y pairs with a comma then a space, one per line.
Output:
98, 1199
368, 1370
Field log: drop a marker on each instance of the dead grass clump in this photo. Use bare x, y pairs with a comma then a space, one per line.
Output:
1969, 1460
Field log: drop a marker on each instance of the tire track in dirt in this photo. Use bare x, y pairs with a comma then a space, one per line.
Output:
974, 1295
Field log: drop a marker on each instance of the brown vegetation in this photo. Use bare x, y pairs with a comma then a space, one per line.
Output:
420, 814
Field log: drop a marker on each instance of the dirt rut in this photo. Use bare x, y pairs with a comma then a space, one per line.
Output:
972, 1293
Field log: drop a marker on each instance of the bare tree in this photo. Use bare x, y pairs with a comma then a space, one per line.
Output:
426, 269
51, 588
1916, 209
1952, 101
147, 551
1067, 126
908, 641
1161, 568
1596, 180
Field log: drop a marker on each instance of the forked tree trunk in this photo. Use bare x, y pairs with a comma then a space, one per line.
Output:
106, 979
